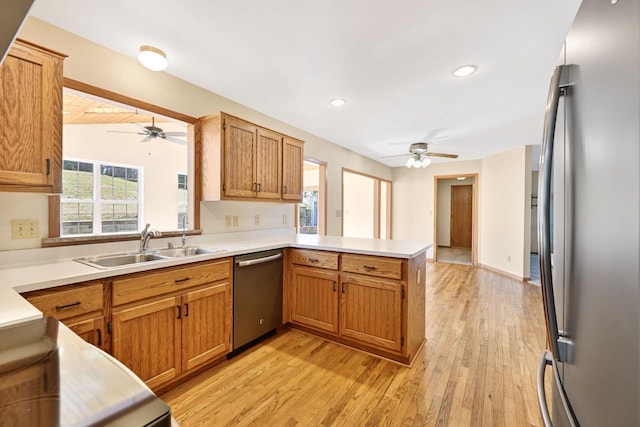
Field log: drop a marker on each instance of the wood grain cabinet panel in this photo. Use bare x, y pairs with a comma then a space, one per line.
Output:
319, 259
372, 312
268, 164
315, 298
239, 158
244, 161
292, 167
31, 119
206, 325
146, 338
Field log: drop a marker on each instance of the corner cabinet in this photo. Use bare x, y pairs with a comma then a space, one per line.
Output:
243, 161
80, 307
170, 322
31, 119
369, 302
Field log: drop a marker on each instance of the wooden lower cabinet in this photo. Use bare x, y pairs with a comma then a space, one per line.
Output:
372, 312
315, 298
206, 325
165, 336
91, 330
146, 338
80, 307
369, 302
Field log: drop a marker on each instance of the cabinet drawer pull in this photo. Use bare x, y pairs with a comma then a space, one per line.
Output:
179, 307
369, 267
184, 279
73, 304
313, 259
99, 336
186, 310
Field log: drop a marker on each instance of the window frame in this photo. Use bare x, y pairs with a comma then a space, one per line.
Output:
194, 172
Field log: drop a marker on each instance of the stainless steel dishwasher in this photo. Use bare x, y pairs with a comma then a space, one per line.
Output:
257, 295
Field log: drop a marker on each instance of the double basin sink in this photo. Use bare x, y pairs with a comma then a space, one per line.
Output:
120, 260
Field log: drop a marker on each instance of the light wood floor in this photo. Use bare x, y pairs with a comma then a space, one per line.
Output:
485, 334
454, 255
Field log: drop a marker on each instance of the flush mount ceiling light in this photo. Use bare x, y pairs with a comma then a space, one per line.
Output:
461, 178
465, 71
337, 102
152, 58
418, 161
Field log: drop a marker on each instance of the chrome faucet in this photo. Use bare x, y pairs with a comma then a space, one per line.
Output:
184, 232
146, 235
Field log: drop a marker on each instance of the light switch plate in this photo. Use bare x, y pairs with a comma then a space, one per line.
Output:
25, 229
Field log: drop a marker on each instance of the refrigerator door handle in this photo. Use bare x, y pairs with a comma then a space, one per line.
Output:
547, 360
558, 344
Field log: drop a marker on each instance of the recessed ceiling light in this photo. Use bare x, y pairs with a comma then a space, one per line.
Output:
337, 102
465, 71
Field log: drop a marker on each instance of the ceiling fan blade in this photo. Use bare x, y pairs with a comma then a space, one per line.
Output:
175, 140
175, 133
397, 155
451, 156
124, 131
143, 128
147, 139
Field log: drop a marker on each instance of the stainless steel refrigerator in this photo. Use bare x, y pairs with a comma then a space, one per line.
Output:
589, 218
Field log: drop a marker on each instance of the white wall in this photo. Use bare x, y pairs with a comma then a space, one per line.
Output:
413, 198
358, 205
98, 66
502, 224
444, 208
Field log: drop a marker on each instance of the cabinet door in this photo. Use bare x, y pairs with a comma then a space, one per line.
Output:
31, 119
90, 330
239, 158
315, 299
268, 164
372, 312
146, 338
206, 325
292, 163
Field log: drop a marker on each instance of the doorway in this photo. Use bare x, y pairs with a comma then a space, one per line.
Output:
455, 234
311, 214
366, 206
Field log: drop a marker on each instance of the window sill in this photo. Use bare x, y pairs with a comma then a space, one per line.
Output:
50, 242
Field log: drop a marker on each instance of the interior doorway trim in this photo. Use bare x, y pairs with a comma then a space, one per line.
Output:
474, 219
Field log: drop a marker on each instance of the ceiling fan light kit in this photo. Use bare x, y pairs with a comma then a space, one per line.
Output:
152, 58
418, 161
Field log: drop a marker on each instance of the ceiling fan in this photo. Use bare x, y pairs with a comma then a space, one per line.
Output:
419, 153
155, 132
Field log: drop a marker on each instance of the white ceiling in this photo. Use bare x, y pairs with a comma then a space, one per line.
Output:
391, 61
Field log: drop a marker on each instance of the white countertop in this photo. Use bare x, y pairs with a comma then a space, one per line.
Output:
57, 272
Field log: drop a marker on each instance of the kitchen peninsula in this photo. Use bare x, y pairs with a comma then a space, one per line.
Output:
375, 287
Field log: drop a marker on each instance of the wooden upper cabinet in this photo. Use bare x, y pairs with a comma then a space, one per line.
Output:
239, 158
292, 160
31, 119
243, 161
268, 164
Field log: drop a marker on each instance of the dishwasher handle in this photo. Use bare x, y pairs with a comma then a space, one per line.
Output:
258, 260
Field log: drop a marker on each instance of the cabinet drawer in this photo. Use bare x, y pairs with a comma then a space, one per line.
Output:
373, 266
151, 284
315, 259
69, 301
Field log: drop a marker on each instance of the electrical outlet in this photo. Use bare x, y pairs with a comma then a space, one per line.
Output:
338, 213
25, 229
227, 221
257, 220
235, 220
